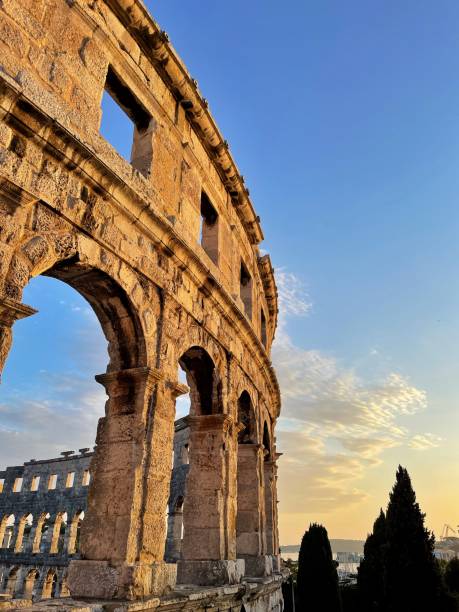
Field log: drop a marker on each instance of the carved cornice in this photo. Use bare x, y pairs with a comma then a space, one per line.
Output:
11, 311
269, 285
122, 378
155, 45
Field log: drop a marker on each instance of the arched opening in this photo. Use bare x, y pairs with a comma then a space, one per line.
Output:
65, 289
7, 531
23, 533
49, 585
64, 590
58, 536
11, 581
246, 420
74, 536
197, 370
250, 499
202, 378
30, 583
41, 530
209, 487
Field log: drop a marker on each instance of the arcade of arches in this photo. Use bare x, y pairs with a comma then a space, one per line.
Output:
165, 250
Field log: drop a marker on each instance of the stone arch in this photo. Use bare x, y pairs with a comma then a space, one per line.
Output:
246, 418
22, 532
30, 582
41, 527
7, 526
196, 336
250, 517
64, 589
118, 316
59, 529
74, 533
204, 381
49, 585
11, 580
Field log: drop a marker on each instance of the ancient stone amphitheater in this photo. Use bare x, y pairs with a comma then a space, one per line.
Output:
165, 249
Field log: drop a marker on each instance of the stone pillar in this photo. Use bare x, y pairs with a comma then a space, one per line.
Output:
36, 534
209, 545
124, 531
251, 533
71, 535
272, 533
18, 537
174, 535
10, 311
269, 505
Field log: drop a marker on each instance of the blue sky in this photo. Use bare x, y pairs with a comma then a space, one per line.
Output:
344, 120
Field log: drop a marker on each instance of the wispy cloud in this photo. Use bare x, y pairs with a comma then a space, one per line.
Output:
334, 425
63, 416
425, 441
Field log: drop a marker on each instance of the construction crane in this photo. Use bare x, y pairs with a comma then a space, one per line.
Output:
446, 531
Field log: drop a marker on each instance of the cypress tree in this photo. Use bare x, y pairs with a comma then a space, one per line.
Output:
370, 578
412, 578
317, 582
452, 575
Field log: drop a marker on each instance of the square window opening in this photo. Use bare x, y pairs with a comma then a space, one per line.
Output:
126, 124
52, 482
17, 486
209, 228
246, 290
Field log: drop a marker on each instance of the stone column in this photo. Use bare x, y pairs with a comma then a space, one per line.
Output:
36, 534
209, 545
251, 533
174, 535
16, 544
71, 535
124, 531
272, 533
10, 311
269, 505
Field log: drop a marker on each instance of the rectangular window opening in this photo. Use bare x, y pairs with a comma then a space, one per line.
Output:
70, 480
35, 483
209, 228
126, 124
52, 482
2, 484
263, 328
17, 485
86, 478
246, 290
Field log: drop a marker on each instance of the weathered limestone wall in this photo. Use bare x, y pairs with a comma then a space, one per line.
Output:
127, 237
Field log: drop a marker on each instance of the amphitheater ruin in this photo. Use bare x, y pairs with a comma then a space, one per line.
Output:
165, 248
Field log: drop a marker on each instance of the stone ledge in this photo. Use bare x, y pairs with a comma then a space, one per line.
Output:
215, 573
252, 594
